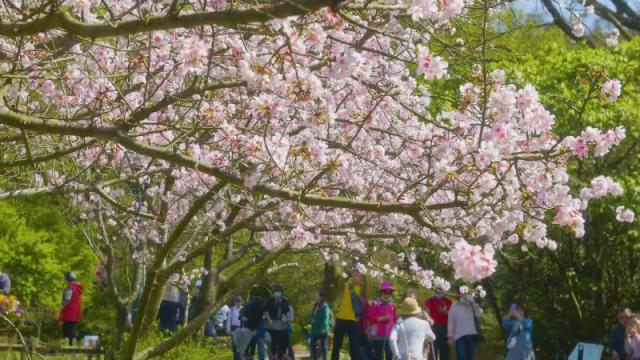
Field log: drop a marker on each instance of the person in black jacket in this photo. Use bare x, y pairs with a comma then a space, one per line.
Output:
253, 318
277, 317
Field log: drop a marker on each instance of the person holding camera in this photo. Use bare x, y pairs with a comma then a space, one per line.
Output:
518, 327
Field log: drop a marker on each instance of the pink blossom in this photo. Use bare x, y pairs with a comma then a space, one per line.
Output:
599, 186
498, 76
346, 64
526, 97
537, 120
48, 88
580, 148
450, 9
624, 215
471, 262
612, 40
79, 5
570, 217
612, 89
193, 55
432, 67
424, 9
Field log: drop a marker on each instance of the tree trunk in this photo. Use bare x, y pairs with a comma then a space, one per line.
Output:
122, 324
206, 283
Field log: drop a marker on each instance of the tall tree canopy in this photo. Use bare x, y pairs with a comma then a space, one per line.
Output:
177, 126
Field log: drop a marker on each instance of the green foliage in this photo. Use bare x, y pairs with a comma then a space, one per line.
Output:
199, 348
37, 246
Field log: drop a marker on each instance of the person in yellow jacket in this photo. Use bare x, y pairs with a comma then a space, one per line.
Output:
351, 308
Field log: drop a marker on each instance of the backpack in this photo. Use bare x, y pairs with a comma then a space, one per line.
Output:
356, 302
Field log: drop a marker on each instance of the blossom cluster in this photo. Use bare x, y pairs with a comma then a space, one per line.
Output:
472, 262
314, 129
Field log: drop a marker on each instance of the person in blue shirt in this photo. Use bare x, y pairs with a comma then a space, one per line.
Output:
518, 328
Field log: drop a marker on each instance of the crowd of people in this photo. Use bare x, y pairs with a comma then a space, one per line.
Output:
376, 330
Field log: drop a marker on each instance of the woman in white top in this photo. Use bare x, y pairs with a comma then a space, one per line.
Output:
463, 327
410, 332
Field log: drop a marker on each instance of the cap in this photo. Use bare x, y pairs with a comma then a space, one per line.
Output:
70, 276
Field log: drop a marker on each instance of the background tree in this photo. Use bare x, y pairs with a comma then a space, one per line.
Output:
37, 246
585, 280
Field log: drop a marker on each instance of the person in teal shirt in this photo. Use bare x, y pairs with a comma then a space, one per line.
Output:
320, 327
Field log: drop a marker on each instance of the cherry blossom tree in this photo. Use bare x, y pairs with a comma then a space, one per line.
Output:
178, 128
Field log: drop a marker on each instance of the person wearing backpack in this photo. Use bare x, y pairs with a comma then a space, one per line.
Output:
348, 316
518, 329
320, 327
382, 316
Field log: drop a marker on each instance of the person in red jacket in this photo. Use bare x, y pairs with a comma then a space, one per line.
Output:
438, 307
71, 311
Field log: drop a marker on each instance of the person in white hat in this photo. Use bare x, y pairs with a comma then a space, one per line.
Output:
410, 332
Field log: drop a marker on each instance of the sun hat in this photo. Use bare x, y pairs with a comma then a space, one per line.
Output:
409, 306
386, 286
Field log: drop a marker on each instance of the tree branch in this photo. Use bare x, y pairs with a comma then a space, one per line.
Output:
113, 134
229, 18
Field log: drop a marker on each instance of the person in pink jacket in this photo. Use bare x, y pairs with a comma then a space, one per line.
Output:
381, 318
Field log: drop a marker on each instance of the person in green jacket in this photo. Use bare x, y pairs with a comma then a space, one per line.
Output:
320, 326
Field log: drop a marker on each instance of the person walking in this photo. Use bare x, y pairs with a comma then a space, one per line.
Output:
518, 327
410, 332
276, 313
350, 312
320, 327
438, 308
253, 318
71, 310
382, 316
235, 322
617, 335
463, 327
170, 306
